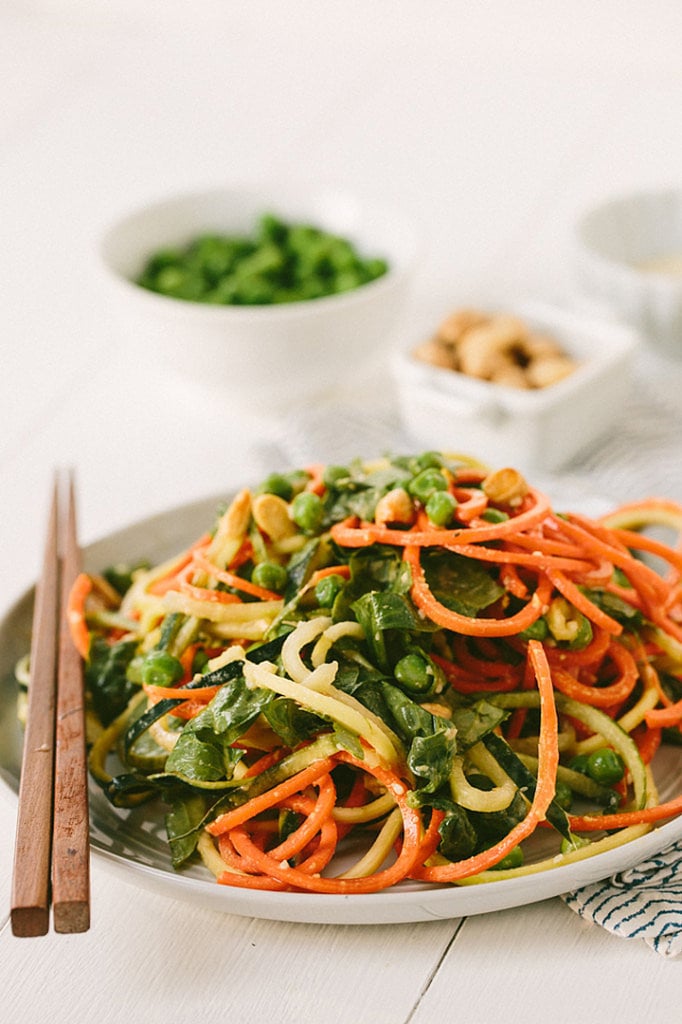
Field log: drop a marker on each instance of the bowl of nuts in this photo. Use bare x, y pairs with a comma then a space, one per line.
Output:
534, 385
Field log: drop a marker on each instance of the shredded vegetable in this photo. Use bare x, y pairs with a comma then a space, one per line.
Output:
345, 683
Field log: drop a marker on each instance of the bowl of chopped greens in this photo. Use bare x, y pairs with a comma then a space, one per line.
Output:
272, 294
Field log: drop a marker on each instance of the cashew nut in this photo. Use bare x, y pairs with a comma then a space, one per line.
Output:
455, 326
500, 348
271, 514
549, 370
505, 486
436, 353
510, 375
395, 507
231, 529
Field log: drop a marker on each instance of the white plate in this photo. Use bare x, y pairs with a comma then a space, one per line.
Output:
133, 842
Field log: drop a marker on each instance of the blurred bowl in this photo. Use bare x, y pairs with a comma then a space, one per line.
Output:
260, 356
629, 258
533, 430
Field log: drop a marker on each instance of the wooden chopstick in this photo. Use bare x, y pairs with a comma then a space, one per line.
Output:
30, 912
51, 858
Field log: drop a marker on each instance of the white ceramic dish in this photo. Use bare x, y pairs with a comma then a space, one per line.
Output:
132, 843
539, 430
618, 243
259, 356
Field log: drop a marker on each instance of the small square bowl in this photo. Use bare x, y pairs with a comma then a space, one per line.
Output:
536, 430
628, 258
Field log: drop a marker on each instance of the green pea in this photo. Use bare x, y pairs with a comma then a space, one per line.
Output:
254, 291
224, 293
161, 669
415, 673
584, 635
440, 508
494, 515
270, 575
341, 255
213, 256
265, 260
298, 478
277, 484
538, 630
272, 229
277, 262
328, 589
425, 483
347, 280
427, 460
514, 859
307, 511
375, 268
605, 766
199, 661
574, 843
163, 258
579, 764
333, 474
169, 279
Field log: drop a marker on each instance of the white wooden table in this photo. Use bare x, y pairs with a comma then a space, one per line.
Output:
492, 125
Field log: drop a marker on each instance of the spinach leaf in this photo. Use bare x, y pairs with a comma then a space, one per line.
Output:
615, 606
201, 755
458, 837
120, 575
462, 584
300, 569
430, 739
381, 612
292, 723
474, 721
203, 751
491, 826
183, 822
377, 567
106, 679
357, 493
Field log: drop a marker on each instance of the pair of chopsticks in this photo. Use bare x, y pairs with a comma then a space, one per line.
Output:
52, 856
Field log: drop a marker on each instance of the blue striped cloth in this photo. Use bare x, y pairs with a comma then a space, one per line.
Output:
644, 902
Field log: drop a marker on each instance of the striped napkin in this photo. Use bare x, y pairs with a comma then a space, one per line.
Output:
640, 457
642, 903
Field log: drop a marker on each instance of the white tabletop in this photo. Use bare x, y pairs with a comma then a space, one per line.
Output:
492, 125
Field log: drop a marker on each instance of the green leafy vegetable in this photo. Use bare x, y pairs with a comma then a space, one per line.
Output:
106, 679
461, 584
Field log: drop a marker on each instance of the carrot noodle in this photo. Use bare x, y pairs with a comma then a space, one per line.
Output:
232, 580
579, 601
337, 748
544, 791
471, 625
75, 613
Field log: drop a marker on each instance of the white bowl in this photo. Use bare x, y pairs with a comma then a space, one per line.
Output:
538, 430
266, 356
617, 245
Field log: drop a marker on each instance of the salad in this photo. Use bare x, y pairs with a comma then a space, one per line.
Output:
390, 670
